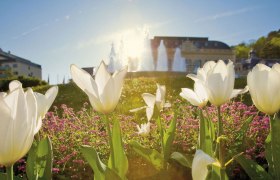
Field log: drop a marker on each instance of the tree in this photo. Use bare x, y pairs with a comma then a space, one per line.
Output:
242, 51
272, 48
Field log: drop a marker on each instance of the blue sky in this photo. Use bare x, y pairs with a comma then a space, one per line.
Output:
56, 34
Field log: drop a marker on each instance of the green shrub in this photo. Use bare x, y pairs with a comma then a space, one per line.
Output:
26, 82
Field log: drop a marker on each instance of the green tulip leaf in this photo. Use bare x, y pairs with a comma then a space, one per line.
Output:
94, 161
181, 159
40, 160
101, 171
205, 135
120, 159
168, 138
272, 148
151, 155
254, 170
268, 154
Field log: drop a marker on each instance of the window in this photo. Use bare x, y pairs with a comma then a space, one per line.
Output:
15, 65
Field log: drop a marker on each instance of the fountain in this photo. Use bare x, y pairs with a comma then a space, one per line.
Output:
115, 62
122, 57
162, 64
112, 58
179, 63
146, 62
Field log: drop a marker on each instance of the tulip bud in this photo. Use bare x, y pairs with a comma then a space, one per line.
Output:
18, 112
264, 87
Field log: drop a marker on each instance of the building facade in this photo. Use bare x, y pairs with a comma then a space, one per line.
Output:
195, 50
12, 65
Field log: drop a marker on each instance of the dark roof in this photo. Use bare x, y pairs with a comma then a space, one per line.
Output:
181, 38
13, 58
199, 42
211, 45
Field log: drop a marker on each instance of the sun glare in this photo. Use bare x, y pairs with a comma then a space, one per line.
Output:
134, 43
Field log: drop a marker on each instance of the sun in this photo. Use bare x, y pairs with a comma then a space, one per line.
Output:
134, 44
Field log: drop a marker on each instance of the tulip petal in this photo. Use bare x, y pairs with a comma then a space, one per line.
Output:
215, 89
208, 66
149, 99
149, 113
95, 102
160, 96
236, 92
108, 97
200, 90
144, 129
19, 114
199, 165
190, 96
273, 90
41, 104
32, 116
14, 85
193, 77
83, 80
118, 82
138, 109
5, 130
102, 77
44, 102
50, 96
3, 94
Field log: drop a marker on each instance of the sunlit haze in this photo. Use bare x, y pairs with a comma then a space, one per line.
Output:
56, 34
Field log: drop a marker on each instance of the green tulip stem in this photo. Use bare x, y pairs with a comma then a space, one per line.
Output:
110, 140
10, 172
221, 144
162, 139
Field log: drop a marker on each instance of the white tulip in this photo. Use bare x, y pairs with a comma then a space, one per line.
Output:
202, 72
104, 92
44, 102
264, 87
198, 97
218, 80
199, 165
152, 100
18, 112
160, 97
144, 130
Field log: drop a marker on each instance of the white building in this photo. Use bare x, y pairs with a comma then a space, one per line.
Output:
18, 66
